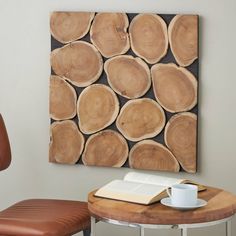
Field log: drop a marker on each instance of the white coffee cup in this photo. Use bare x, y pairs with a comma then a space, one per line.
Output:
183, 195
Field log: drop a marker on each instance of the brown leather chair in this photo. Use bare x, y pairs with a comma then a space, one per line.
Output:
40, 217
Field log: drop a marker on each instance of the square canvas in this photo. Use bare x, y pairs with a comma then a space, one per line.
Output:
124, 90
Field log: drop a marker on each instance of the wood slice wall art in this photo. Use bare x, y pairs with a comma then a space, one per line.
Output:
78, 62
148, 37
67, 142
63, 99
97, 107
140, 119
109, 33
124, 90
128, 76
106, 148
151, 155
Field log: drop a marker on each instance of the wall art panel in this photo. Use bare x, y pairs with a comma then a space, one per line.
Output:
124, 90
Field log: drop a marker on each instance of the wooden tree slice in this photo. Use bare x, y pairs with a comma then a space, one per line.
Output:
97, 108
128, 76
181, 139
66, 143
175, 88
150, 155
109, 33
79, 62
62, 99
183, 37
106, 148
148, 37
70, 26
140, 119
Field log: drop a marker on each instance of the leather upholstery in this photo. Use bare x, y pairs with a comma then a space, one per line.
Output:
44, 217
5, 151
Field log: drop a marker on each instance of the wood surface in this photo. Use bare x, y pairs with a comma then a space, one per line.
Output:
97, 108
105, 148
220, 204
62, 99
151, 155
140, 119
183, 38
79, 62
181, 138
148, 37
109, 33
128, 76
66, 142
175, 88
70, 26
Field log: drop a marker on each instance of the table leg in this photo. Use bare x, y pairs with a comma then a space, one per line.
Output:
228, 228
93, 226
141, 231
184, 232
86, 232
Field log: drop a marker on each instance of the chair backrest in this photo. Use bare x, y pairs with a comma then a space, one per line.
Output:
5, 149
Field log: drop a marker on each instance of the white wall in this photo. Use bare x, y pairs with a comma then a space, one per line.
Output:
24, 73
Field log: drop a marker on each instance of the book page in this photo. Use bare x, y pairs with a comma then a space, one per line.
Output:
126, 187
152, 179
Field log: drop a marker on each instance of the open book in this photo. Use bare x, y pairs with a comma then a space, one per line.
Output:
140, 188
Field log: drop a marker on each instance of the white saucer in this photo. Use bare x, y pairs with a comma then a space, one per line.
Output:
167, 202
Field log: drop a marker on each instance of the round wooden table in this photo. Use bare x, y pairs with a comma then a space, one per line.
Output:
220, 208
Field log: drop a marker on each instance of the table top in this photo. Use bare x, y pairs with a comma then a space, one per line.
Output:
220, 204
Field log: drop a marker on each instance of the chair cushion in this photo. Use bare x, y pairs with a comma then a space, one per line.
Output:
47, 217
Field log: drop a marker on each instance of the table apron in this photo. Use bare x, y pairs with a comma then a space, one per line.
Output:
171, 226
